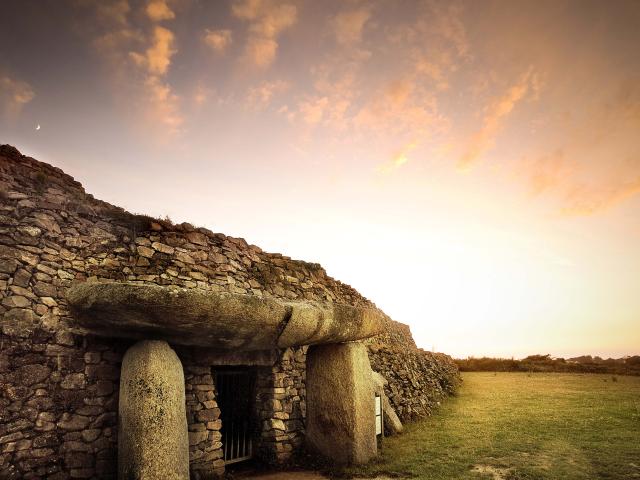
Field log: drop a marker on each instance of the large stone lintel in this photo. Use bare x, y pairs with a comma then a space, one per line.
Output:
218, 320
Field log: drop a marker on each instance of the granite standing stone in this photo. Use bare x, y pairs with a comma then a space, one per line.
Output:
153, 442
341, 403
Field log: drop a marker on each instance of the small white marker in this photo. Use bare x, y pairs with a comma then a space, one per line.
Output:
38, 127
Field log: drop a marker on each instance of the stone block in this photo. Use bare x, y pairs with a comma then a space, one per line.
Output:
73, 422
73, 381
153, 442
341, 403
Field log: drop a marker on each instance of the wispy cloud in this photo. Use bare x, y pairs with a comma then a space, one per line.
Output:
140, 56
267, 20
163, 104
582, 200
436, 43
394, 100
112, 13
157, 58
399, 107
399, 159
218, 40
158, 10
349, 25
548, 172
597, 166
259, 97
14, 95
313, 110
445, 19
495, 115
201, 95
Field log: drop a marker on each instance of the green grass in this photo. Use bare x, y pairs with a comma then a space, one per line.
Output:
519, 426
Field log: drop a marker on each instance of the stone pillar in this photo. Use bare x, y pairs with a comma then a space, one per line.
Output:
152, 433
340, 403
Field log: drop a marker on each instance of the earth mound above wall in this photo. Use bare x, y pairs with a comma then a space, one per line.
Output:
96, 241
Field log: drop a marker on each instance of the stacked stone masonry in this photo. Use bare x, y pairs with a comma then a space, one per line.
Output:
59, 386
280, 400
203, 419
418, 380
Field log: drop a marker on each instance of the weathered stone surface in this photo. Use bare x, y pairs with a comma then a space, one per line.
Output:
313, 323
189, 317
73, 422
73, 381
215, 319
16, 301
392, 424
8, 265
19, 322
152, 440
30, 374
341, 403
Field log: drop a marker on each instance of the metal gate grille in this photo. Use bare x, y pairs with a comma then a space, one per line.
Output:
235, 390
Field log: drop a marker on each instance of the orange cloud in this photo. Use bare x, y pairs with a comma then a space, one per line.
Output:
158, 10
218, 40
336, 86
114, 35
548, 172
157, 58
445, 20
398, 98
140, 58
588, 201
201, 95
163, 105
436, 42
597, 168
399, 159
261, 51
259, 97
401, 107
14, 95
492, 123
312, 110
267, 20
348, 26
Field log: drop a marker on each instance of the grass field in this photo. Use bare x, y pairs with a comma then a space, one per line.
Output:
524, 426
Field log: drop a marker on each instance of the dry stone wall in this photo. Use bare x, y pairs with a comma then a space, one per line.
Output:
59, 386
58, 409
418, 380
48, 212
281, 406
203, 419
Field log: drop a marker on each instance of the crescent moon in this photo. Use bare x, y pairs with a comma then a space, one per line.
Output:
38, 127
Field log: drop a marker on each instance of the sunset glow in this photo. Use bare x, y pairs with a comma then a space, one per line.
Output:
471, 167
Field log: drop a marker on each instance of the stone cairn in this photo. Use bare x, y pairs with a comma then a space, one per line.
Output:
59, 384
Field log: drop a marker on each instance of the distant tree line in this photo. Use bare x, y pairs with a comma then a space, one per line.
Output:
546, 363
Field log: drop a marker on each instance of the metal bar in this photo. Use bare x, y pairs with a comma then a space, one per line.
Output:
238, 430
234, 388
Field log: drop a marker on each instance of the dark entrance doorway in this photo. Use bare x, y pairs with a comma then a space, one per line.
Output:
235, 389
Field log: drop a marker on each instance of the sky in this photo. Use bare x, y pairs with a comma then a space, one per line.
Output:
472, 167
